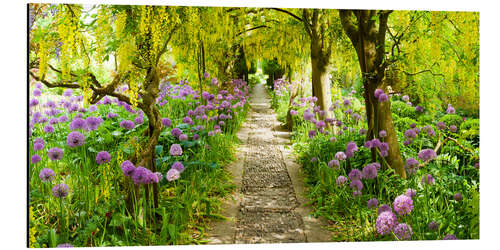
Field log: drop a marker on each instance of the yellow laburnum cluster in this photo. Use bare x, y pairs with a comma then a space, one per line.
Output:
133, 90
68, 23
103, 28
44, 47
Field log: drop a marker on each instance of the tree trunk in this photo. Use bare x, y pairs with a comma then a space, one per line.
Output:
320, 77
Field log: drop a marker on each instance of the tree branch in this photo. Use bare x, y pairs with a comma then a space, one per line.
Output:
348, 25
289, 13
254, 28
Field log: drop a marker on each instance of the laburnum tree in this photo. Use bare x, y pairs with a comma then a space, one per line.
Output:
137, 35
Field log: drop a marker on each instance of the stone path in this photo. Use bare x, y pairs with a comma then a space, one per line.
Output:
269, 205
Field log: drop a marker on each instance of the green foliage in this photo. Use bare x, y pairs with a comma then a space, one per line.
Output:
451, 119
403, 123
403, 110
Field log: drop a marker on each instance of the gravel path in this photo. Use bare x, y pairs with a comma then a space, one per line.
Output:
267, 208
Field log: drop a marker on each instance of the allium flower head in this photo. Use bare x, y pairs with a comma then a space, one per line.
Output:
384, 208
65, 245
68, 92
183, 137
103, 157
350, 149
55, 154
411, 165
140, 175
441, 125
355, 174
60, 190
77, 123
403, 205
175, 150
314, 159
356, 184
405, 98
386, 221
341, 180
457, 197
378, 92
370, 171
196, 137
411, 192
356, 193
382, 133
126, 124
433, 226
312, 133
308, 115
47, 174
293, 112
178, 166
372, 203
333, 139
48, 129
166, 122
75, 139
419, 109
410, 133
347, 102
173, 174
128, 168
453, 128
383, 98
38, 146
403, 231
428, 179
340, 156
37, 92
450, 109
427, 155
176, 132
63, 118
188, 120
35, 159
333, 163
139, 120
450, 237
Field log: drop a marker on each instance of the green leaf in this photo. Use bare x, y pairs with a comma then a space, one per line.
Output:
159, 149
52, 238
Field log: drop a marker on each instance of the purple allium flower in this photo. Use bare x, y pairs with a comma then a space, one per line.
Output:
196, 137
314, 159
419, 109
103, 157
188, 120
348, 111
140, 175
350, 149
53, 121
38, 146
450, 109
206, 75
383, 98
413, 125
173, 174
457, 197
356, 184
453, 128
382, 133
411, 192
441, 125
403, 231
386, 221
68, 92
166, 122
410, 133
34, 102
48, 129
37, 92
60, 190
428, 179
341, 180
128, 168
77, 123
429, 130
75, 139
312, 133
356, 193
427, 155
139, 120
175, 150
384, 208
35, 159
372, 203
370, 171
159, 176
308, 115
183, 137
178, 166
347, 102
293, 112
47, 174
63, 118
65, 245
176, 132
433, 226
333, 139
126, 124
340, 156
407, 142
333, 163
111, 115
405, 98
55, 154
403, 205
368, 144
378, 92
476, 165
411, 165
450, 237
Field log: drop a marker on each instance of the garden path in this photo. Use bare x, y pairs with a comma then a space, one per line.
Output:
269, 205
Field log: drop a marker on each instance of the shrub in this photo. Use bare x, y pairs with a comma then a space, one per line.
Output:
425, 119
451, 119
403, 110
403, 123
